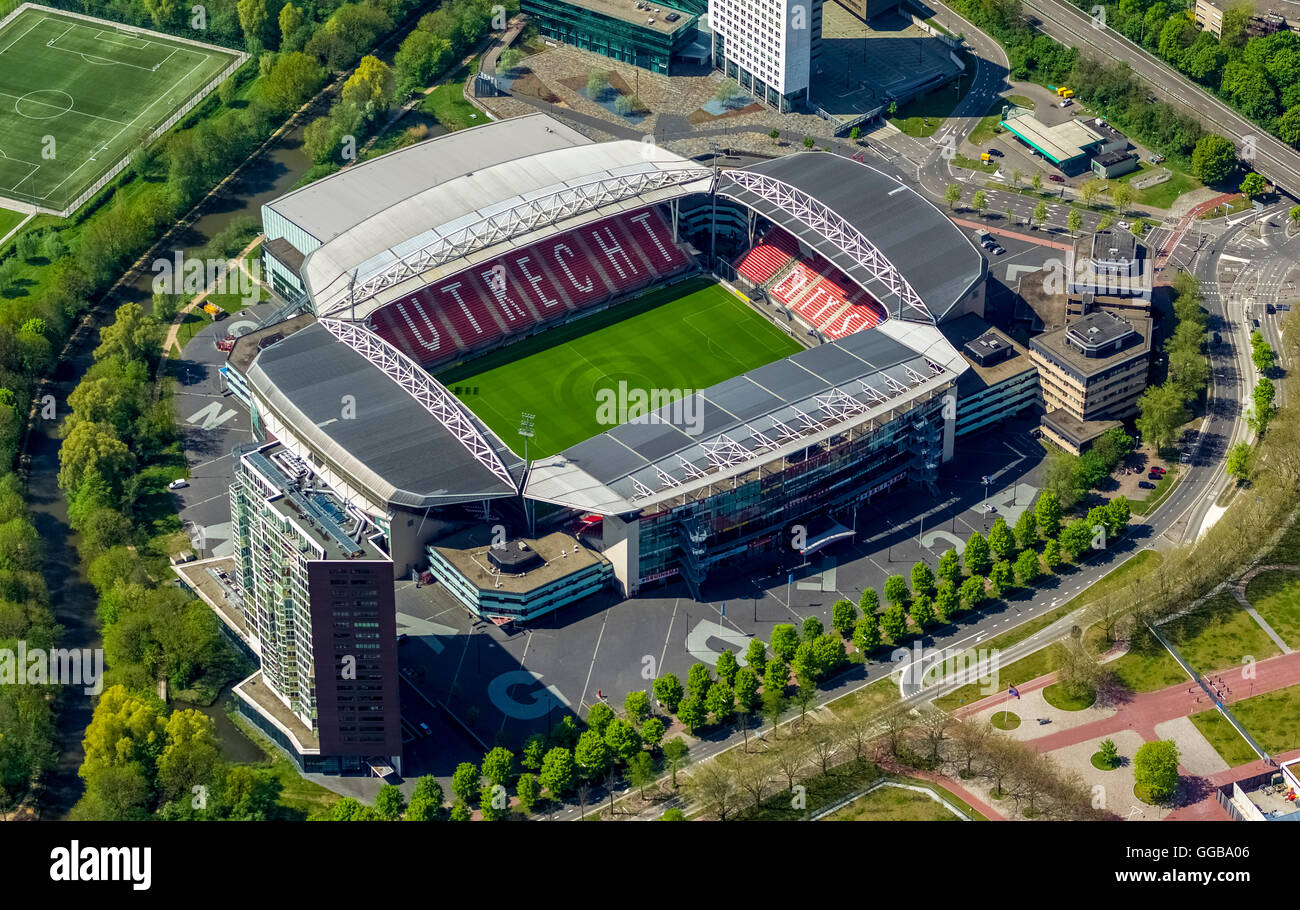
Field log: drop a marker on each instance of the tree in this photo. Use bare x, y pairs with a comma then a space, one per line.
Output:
756, 656
812, 627
1040, 214
785, 641
692, 713
774, 704
370, 88
1121, 194
1027, 569
529, 790
1026, 530
1155, 770
592, 755
774, 135
599, 717
668, 692
390, 804
1214, 159
290, 20
460, 813
809, 142
894, 623
294, 79
465, 781
623, 740
1262, 397
253, 19
675, 754
896, 591
976, 555
637, 706
641, 771
922, 579
721, 702
1073, 221
776, 676
1109, 752
923, 612
727, 667
652, 732
866, 634
979, 201
950, 566
869, 602
747, 689
499, 766
1254, 185
947, 602
843, 617
952, 194
1238, 465
558, 772
698, 681
1001, 575
493, 803
1076, 538
1001, 541
1047, 514
972, 591
1051, 553
1037, 183
714, 786
1162, 412
191, 756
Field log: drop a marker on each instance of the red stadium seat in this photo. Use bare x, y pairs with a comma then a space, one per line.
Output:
415, 329
616, 255
508, 296
539, 289
573, 271
466, 311
664, 255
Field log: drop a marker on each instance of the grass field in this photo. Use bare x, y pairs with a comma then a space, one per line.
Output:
1276, 595
895, 804
1270, 718
78, 95
682, 338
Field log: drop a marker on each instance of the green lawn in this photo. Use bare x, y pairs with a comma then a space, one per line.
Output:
894, 804
9, 220
447, 103
1217, 635
876, 695
94, 87
1147, 667
1162, 195
923, 116
1032, 666
1270, 718
674, 340
1276, 596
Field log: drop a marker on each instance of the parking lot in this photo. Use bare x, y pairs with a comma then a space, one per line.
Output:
504, 685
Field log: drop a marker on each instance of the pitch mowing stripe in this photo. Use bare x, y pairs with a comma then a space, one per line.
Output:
676, 340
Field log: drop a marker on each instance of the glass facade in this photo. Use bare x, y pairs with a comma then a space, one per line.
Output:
611, 36
731, 522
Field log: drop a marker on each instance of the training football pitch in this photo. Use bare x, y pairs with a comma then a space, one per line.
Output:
78, 95
686, 337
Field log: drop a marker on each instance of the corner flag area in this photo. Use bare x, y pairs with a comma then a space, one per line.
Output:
78, 95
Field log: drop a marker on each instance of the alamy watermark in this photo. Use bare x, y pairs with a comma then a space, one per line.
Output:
681, 408
58, 667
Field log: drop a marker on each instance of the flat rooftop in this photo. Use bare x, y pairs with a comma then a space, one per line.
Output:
626, 11
1079, 432
1062, 142
255, 691
1054, 344
468, 552
970, 330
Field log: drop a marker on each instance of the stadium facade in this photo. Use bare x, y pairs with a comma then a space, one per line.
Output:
464, 244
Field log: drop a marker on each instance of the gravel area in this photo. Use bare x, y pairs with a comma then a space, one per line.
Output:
1194, 751
1031, 706
1115, 787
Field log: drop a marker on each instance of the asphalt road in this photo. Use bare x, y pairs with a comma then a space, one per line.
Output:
1070, 26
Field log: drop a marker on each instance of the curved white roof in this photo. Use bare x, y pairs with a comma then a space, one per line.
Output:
511, 201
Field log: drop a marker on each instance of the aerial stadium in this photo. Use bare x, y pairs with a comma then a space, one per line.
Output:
672, 366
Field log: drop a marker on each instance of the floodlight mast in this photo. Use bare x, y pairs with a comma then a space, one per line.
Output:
526, 431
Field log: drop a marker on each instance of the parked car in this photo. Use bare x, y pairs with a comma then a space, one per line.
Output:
178, 484
1056, 178
1067, 102
996, 250
1156, 469
1157, 159
1146, 485
1153, 476
1185, 458
1122, 225
996, 153
424, 728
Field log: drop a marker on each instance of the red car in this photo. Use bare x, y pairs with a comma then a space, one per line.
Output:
1056, 178
1156, 469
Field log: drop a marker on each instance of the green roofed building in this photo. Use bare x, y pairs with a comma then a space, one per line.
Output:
644, 34
1068, 145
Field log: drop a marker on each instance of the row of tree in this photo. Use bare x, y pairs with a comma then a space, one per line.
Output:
1164, 408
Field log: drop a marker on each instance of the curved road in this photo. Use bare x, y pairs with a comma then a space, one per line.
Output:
1074, 28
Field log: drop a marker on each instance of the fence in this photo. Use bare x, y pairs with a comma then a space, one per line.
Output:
240, 59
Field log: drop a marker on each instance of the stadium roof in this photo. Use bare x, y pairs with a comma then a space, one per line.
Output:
887, 237
767, 413
327, 207
497, 202
393, 447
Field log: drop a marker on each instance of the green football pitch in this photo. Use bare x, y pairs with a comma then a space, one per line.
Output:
78, 95
683, 338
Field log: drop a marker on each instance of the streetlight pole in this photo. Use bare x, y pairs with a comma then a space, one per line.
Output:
526, 431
